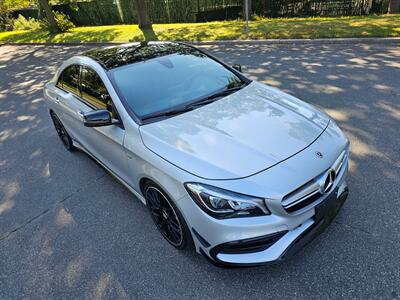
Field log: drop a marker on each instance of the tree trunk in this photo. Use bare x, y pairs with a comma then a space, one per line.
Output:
168, 11
143, 15
49, 16
120, 11
366, 7
394, 6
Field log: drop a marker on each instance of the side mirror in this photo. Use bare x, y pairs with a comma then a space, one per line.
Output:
237, 67
97, 118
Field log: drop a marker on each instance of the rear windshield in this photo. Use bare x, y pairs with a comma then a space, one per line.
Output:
166, 82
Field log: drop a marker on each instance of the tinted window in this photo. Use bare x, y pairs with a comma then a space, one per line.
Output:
93, 89
161, 83
69, 79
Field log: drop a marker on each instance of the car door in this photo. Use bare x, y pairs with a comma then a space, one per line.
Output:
66, 100
105, 143
80, 90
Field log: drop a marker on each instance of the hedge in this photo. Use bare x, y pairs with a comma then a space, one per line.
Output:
110, 12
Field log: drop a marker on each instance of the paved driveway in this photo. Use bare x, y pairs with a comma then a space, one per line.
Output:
69, 230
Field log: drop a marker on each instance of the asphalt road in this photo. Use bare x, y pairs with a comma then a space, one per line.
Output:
69, 230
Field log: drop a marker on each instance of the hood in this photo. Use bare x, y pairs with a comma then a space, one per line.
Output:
238, 135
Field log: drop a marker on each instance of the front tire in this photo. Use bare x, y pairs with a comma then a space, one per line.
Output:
62, 133
167, 217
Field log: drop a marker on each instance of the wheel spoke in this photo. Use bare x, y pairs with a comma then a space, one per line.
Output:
153, 204
174, 224
163, 226
155, 211
173, 233
60, 131
164, 216
154, 199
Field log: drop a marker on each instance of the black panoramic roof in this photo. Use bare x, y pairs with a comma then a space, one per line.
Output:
117, 56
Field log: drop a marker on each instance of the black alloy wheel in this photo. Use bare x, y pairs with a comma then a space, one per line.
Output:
62, 133
167, 218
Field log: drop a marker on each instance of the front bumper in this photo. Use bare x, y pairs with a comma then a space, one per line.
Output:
281, 245
268, 239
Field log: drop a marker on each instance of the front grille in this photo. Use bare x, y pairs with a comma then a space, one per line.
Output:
312, 191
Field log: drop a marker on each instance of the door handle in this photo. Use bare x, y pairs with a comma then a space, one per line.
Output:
81, 114
57, 100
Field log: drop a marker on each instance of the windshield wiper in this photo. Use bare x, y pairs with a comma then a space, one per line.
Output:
167, 113
191, 106
213, 97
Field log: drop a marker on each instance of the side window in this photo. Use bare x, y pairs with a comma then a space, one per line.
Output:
69, 79
93, 89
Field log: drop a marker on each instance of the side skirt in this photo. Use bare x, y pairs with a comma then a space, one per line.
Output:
131, 189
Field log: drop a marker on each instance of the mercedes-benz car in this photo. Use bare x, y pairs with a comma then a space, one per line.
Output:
241, 171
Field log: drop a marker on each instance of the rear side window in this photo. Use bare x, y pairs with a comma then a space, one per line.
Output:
93, 89
69, 79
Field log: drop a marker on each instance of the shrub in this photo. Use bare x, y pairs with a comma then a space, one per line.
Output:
6, 22
21, 23
63, 22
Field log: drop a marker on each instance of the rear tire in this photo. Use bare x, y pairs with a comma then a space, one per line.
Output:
62, 133
167, 217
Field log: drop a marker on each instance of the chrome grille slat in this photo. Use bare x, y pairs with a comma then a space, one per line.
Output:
301, 199
337, 171
308, 192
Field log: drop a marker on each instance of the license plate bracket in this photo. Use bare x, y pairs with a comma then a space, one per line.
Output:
329, 208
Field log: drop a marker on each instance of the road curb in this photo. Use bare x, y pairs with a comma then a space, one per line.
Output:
389, 40
307, 41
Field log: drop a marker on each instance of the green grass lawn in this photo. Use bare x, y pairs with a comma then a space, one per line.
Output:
322, 27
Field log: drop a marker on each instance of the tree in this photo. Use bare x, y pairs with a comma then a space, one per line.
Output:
143, 15
394, 6
49, 16
5, 7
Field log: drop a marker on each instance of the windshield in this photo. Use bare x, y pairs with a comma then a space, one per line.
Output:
163, 83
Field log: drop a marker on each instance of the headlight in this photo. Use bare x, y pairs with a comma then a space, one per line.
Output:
223, 204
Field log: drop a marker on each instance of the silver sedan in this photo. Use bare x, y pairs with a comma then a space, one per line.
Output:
241, 171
